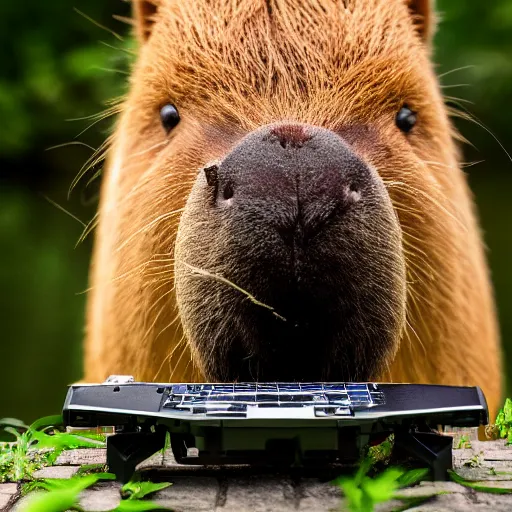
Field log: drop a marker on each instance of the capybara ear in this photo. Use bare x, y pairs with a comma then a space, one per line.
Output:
144, 12
424, 17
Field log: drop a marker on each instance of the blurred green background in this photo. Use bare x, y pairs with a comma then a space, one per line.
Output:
56, 65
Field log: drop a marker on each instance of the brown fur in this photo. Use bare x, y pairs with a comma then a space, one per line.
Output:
232, 66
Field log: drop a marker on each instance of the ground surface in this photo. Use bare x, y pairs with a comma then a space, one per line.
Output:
240, 490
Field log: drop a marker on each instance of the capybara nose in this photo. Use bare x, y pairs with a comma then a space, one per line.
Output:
294, 176
295, 221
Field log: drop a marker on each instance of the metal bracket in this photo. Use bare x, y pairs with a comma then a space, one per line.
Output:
125, 451
432, 448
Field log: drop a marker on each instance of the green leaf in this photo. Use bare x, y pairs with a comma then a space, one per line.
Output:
478, 487
101, 438
137, 490
91, 468
13, 431
507, 411
57, 501
75, 484
411, 477
352, 492
13, 422
464, 442
382, 451
63, 441
367, 502
382, 487
47, 421
167, 442
138, 506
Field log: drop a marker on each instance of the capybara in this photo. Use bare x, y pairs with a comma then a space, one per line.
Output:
284, 201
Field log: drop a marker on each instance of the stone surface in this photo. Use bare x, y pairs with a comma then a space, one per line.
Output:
56, 472
219, 490
190, 494
314, 495
7, 495
23, 502
256, 495
8, 489
102, 496
82, 456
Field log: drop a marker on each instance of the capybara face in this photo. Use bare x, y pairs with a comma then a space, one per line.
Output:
293, 217
283, 202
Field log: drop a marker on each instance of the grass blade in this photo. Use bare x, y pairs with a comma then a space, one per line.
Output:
47, 421
137, 490
478, 487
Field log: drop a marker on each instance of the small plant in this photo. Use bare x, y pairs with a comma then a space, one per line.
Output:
464, 442
475, 461
138, 490
89, 469
382, 452
63, 494
503, 424
35, 446
363, 492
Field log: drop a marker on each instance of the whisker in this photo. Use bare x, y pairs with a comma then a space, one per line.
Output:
223, 280
71, 143
62, 209
112, 47
109, 70
94, 22
146, 227
95, 159
454, 71
454, 99
88, 229
124, 19
96, 116
468, 116
454, 85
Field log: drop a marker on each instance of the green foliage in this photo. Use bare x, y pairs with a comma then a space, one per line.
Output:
382, 451
364, 492
412, 477
58, 70
87, 469
137, 490
63, 494
167, 442
138, 506
35, 446
504, 421
474, 462
478, 486
464, 442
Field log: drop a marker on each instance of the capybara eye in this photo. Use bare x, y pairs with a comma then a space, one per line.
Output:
405, 119
169, 116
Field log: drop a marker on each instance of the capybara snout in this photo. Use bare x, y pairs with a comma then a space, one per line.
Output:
294, 218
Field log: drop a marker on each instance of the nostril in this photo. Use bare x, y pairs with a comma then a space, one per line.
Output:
228, 191
352, 193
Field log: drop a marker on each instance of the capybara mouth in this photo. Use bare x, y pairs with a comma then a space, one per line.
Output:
289, 262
